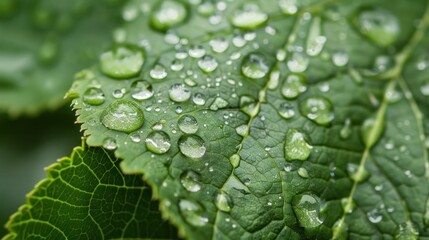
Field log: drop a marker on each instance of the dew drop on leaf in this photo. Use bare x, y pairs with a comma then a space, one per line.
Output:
255, 66
177, 65
298, 62
307, 209
219, 45
296, 147
318, 110
218, 104
374, 216
168, 14
340, 59
135, 137
379, 25
357, 173
371, 130
193, 213
293, 86
249, 16
158, 72
242, 130
188, 124
346, 130
315, 40
122, 62
288, 6
197, 51
158, 142
141, 90
123, 115
190, 180
179, 92
235, 160
207, 64
199, 99
223, 202
286, 110
94, 96
348, 205
110, 143
192, 146
302, 172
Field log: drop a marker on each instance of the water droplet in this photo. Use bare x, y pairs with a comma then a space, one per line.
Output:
199, 99
223, 202
249, 105
348, 205
110, 144
190, 180
374, 216
197, 51
255, 66
135, 137
294, 85
302, 172
48, 51
249, 16
188, 124
357, 173
168, 14
179, 92
286, 110
315, 41
123, 115
238, 40
208, 64
274, 79
235, 160
318, 110
281, 55
94, 96
346, 130
158, 72
122, 62
298, 63
192, 146
307, 209
158, 142
288, 6
371, 130
296, 147
218, 103
379, 25
193, 213
177, 65
219, 45
206, 8
242, 130
119, 93
424, 89
141, 90
340, 59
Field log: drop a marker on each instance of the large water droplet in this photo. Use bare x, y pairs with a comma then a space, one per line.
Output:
94, 96
123, 115
192, 146
141, 90
168, 14
223, 202
179, 92
340, 59
188, 124
207, 64
307, 209
158, 142
379, 25
242, 130
193, 213
296, 147
190, 180
315, 40
294, 85
122, 62
249, 16
255, 66
317, 109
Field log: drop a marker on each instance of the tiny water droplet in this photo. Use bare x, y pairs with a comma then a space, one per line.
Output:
110, 144
357, 173
193, 213
168, 14
158, 142
255, 66
207, 64
346, 130
289, 7
424, 89
374, 216
158, 72
197, 51
235, 160
122, 62
188, 124
199, 99
141, 90
179, 92
190, 180
249, 16
318, 110
135, 137
340, 59
192, 146
302, 172
94, 96
123, 115
298, 63
296, 147
223, 202
307, 209
286, 110
294, 85
219, 45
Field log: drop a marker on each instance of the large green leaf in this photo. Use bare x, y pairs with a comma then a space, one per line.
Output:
270, 119
43, 43
86, 196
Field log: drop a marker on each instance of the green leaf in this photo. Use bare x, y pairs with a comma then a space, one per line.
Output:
86, 196
272, 119
43, 43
